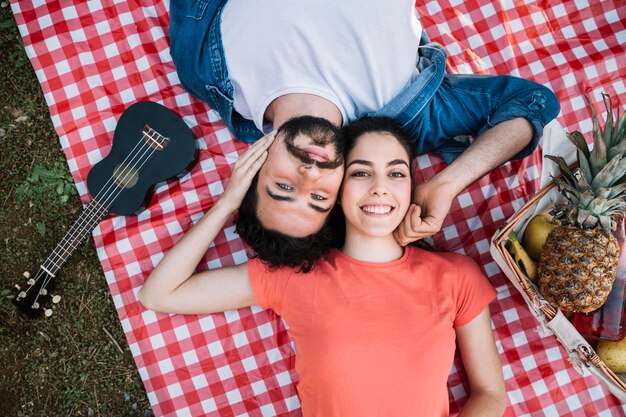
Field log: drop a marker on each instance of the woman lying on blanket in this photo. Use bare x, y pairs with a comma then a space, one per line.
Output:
374, 323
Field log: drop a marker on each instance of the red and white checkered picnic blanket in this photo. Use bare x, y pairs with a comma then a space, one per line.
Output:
94, 59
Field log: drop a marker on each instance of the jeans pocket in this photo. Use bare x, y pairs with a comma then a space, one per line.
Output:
196, 12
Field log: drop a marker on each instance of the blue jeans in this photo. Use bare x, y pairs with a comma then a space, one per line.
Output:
434, 109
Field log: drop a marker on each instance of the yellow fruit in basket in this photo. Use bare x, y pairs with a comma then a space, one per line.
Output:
613, 354
523, 261
536, 233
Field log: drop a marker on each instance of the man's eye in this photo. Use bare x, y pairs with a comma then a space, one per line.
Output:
284, 186
318, 197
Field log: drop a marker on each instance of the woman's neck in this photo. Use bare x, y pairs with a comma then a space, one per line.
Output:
372, 249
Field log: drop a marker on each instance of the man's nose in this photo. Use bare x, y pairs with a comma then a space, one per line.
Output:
310, 171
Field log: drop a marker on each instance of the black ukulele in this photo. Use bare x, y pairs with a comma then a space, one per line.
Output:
150, 144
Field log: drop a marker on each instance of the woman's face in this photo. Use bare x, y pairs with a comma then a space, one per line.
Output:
376, 189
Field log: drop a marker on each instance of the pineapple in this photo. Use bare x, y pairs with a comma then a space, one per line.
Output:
579, 259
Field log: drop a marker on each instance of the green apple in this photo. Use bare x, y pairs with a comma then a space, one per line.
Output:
536, 234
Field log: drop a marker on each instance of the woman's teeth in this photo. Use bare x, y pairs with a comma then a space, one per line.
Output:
377, 209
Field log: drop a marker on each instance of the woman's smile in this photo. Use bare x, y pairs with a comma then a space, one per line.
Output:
377, 209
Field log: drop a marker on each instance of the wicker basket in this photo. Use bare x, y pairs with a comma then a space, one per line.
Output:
582, 355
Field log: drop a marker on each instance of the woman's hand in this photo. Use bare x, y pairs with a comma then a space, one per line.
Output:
245, 169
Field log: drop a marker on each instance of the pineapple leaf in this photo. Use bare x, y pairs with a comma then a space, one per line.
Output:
568, 191
579, 141
607, 174
598, 205
584, 199
603, 192
608, 126
583, 185
617, 191
596, 129
567, 173
619, 132
606, 223
582, 217
597, 158
583, 165
598, 154
621, 170
591, 222
618, 148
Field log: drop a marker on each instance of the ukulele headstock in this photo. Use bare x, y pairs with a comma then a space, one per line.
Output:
33, 298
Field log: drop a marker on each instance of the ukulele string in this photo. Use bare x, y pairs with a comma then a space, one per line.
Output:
100, 209
106, 188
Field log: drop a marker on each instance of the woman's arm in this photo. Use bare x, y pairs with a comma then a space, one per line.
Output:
173, 287
482, 365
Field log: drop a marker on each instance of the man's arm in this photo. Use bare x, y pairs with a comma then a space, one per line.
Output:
434, 197
174, 287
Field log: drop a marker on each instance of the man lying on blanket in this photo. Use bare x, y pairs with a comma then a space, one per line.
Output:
260, 64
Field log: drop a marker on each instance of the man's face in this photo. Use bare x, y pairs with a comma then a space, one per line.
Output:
298, 185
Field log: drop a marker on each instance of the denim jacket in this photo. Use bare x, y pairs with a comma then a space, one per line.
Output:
198, 53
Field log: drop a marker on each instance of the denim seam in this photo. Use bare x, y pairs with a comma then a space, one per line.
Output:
423, 92
199, 8
218, 60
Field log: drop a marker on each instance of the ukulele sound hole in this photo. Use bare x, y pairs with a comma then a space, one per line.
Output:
125, 176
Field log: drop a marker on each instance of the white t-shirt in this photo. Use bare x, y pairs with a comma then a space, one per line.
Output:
356, 54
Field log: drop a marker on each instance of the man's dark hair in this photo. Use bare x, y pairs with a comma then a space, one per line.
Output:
277, 249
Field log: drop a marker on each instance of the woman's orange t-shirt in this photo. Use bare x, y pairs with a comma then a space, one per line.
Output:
375, 339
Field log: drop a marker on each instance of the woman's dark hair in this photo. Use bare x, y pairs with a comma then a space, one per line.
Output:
355, 130
277, 249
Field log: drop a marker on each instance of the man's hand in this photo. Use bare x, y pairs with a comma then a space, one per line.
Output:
425, 217
245, 169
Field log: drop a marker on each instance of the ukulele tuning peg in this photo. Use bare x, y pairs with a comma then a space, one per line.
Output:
48, 312
31, 282
56, 299
17, 287
26, 274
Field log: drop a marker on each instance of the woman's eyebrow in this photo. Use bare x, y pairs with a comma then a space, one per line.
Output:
370, 163
397, 162
361, 162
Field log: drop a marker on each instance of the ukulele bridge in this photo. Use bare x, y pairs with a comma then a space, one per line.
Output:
154, 139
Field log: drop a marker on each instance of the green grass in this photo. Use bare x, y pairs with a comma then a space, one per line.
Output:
68, 364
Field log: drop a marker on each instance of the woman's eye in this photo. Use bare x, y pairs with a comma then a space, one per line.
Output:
359, 174
398, 174
318, 197
284, 186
